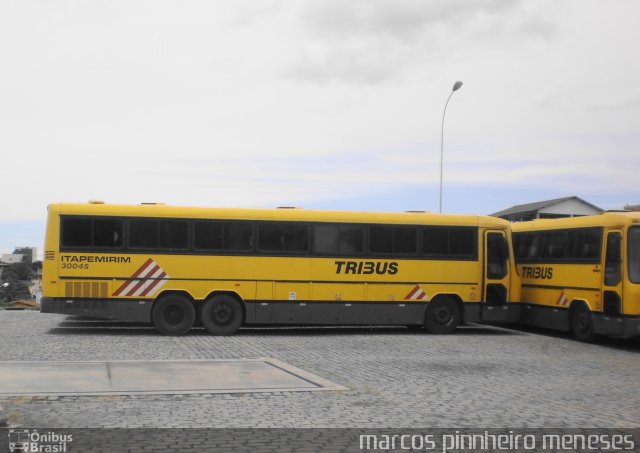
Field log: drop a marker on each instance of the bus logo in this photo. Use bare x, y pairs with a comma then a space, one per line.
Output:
146, 281
416, 294
18, 440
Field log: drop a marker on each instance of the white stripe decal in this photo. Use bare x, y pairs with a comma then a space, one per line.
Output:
150, 267
158, 284
416, 294
156, 274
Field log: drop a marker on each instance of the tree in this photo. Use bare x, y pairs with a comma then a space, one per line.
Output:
15, 291
18, 276
18, 271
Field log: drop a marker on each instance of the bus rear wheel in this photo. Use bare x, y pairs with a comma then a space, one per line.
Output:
222, 315
582, 323
442, 316
173, 314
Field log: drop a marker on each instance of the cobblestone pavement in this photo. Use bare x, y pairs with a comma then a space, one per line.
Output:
480, 377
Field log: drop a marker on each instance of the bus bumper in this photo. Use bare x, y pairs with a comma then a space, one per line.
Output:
495, 314
125, 310
616, 326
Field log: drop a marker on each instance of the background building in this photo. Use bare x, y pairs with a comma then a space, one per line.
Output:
11, 258
549, 209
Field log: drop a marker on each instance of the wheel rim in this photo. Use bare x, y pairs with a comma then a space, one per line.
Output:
173, 315
442, 316
222, 314
582, 322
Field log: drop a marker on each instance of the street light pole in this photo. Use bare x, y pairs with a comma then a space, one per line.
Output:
456, 87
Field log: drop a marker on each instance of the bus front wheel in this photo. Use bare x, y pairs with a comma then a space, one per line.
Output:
222, 315
173, 314
582, 323
442, 316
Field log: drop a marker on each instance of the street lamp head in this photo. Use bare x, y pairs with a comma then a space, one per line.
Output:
4, 285
457, 85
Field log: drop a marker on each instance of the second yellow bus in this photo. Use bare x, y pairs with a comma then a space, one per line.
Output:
581, 274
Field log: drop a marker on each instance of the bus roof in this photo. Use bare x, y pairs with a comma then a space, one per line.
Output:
284, 214
606, 219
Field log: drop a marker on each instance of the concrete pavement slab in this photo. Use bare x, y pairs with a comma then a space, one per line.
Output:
129, 377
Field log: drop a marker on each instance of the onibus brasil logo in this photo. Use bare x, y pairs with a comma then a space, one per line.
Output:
26, 440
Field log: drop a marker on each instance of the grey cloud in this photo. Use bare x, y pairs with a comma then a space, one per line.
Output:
375, 40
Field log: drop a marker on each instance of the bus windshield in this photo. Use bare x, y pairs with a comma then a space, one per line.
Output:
634, 254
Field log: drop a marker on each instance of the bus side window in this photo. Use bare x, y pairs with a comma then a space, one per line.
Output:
351, 240
107, 233
239, 236
76, 232
613, 260
533, 247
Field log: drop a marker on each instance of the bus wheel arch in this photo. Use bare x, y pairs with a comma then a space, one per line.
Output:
581, 320
173, 313
222, 313
443, 314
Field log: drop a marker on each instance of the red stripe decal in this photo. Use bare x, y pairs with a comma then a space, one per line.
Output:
413, 292
142, 280
154, 284
133, 277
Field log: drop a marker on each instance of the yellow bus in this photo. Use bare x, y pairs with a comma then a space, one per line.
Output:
224, 268
581, 274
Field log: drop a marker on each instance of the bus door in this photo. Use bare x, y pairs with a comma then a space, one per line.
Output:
612, 279
496, 277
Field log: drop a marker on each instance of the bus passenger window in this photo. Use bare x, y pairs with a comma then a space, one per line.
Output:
143, 234
350, 240
325, 239
281, 237
107, 233
174, 234
585, 244
338, 240
405, 240
208, 235
462, 242
238, 236
435, 241
76, 232
296, 238
554, 246
270, 237
381, 240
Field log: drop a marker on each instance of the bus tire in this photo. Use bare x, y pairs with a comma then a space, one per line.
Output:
222, 315
582, 323
442, 316
173, 314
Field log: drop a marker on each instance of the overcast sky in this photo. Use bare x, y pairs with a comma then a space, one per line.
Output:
328, 104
